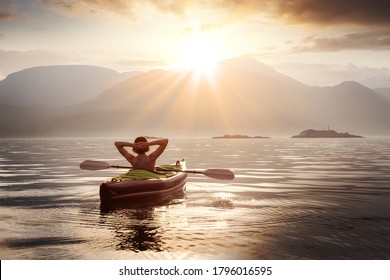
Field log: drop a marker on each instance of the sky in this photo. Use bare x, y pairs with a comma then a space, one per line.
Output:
318, 42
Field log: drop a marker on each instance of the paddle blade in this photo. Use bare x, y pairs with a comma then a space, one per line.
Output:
220, 174
94, 165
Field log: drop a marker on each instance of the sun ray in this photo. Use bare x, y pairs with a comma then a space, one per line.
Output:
199, 53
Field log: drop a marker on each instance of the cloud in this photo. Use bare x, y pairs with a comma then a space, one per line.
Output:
330, 12
324, 12
6, 16
319, 12
8, 10
129, 7
123, 8
366, 40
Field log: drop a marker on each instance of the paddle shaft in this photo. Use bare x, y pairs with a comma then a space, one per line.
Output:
221, 174
161, 169
121, 166
158, 169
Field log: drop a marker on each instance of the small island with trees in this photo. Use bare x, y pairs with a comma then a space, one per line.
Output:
312, 133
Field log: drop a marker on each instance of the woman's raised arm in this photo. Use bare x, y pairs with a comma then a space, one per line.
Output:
162, 144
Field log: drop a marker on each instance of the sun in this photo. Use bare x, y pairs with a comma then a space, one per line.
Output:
199, 53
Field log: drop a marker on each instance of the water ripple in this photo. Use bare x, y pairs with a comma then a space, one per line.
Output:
291, 199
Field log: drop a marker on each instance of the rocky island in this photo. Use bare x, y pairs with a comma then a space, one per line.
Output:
239, 136
311, 133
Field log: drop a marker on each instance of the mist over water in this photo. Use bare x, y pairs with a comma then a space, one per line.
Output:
291, 199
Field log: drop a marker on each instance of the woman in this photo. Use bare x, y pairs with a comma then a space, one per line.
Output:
140, 147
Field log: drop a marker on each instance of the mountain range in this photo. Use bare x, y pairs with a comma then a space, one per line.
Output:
58, 86
242, 96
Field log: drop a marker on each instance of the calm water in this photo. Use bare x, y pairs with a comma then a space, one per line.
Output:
291, 199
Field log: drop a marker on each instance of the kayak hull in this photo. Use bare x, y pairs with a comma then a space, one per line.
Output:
141, 190
111, 192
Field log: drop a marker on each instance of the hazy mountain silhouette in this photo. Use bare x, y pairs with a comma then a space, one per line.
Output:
243, 96
383, 91
57, 85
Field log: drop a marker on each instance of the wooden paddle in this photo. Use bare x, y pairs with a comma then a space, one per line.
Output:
220, 174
